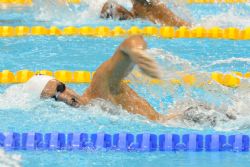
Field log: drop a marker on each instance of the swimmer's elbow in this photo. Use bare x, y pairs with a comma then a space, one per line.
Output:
132, 42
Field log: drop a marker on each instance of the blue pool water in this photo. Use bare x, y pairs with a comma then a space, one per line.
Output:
21, 114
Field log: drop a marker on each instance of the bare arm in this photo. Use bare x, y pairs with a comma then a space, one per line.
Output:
145, 2
107, 82
130, 53
156, 12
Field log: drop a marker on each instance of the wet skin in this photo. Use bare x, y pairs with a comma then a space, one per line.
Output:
107, 82
155, 12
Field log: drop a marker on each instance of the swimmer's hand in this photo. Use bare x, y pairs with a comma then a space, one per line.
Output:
170, 116
146, 64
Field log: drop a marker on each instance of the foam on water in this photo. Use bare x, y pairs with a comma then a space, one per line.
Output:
217, 107
64, 15
97, 113
213, 105
18, 97
229, 61
9, 160
89, 11
234, 17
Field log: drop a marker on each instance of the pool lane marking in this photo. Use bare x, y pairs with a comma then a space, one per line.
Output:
164, 32
231, 79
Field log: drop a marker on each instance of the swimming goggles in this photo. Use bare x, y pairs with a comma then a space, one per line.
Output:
59, 89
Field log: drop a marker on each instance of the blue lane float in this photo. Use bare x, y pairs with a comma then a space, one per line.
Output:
144, 142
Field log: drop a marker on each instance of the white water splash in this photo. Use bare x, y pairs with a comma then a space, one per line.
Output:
228, 109
170, 61
63, 15
18, 97
9, 160
196, 111
229, 61
199, 114
232, 18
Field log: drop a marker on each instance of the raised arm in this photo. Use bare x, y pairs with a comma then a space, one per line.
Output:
107, 82
130, 53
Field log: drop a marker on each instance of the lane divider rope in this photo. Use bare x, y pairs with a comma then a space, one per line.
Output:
232, 79
124, 142
28, 2
216, 1
17, 2
150, 31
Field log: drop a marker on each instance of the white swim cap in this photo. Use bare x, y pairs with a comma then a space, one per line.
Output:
36, 84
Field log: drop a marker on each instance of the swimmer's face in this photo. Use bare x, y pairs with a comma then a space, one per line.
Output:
58, 91
115, 11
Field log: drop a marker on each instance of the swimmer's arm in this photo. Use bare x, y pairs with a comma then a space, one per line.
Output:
62, 2
146, 63
165, 118
145, 1
170, 17
130, 53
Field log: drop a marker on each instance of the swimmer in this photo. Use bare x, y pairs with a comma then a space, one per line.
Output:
108, 82
152, 10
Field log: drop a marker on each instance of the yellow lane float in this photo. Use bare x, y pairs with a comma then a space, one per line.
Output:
7, 31
44, 72
103, 31
7, 77
39, 30
74, 1
22, 30
216, 1
217, 76
55, 31
247, 75
29, 2
23, 76
182, 32
232, 33
232, 79
71, 30
229, 80
150, 31
63, 76
82, 77
16, 2
167, 32
199, 32
189, 79
215, 32
86, 31
134, 31
246, 34
118, 31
